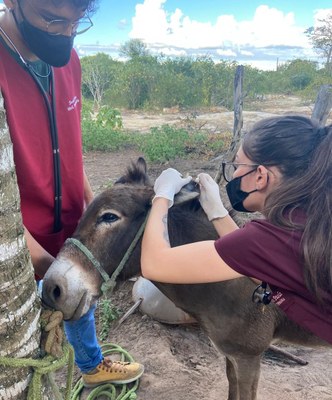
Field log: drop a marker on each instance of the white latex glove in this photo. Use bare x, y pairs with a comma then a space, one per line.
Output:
210, 197
169, 183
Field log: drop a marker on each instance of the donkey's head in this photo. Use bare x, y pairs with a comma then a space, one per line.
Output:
104, 234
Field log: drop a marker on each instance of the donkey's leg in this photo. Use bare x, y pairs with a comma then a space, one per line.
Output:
248, 369
243, 376
233, 389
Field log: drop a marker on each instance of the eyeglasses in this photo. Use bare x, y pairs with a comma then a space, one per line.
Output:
228, 169
57, 27
60, 26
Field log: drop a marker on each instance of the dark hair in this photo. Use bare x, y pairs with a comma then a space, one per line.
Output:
89, 5
303, 153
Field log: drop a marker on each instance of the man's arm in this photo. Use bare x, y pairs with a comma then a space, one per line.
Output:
88, 193
41, 259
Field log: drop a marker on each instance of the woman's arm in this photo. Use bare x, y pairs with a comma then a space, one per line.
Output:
224, 225
192, 263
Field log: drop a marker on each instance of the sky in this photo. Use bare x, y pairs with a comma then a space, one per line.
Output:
257, 32
260, 33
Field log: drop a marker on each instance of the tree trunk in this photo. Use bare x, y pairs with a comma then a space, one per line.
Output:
19, 303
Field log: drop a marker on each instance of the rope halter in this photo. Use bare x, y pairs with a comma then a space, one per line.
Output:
109, 282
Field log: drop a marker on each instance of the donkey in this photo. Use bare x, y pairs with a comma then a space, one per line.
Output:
239, 328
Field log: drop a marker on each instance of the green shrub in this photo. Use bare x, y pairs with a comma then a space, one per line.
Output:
103, 131
98, 137
108, 313
109, 117
167, 142
163, 143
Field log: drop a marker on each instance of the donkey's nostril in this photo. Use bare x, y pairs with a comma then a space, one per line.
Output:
56, 292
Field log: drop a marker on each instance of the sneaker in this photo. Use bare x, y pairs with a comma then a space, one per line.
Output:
109, 371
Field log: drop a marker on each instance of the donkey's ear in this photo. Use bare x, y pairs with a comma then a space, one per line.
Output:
136, 173
141, 165
187, 193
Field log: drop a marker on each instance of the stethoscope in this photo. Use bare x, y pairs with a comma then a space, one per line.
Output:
51, 110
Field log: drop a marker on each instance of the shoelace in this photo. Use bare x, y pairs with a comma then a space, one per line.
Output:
116, 366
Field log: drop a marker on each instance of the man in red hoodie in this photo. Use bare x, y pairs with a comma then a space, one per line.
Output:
40, 80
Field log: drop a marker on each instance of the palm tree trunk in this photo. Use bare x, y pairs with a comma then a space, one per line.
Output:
19, 303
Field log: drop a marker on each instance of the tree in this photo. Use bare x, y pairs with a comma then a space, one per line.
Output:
298, 74
19, 304
134, 48
137, 80
205, 79
135, 83
223, 91
96, 76
321, 39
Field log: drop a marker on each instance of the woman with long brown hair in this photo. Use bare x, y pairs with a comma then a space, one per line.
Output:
283, 169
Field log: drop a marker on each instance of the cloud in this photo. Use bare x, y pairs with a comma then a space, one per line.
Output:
227, 53
269, 26
122, 24
320, 14
270, 30
246, 53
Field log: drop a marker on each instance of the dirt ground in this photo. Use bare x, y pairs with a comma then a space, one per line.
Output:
180, 362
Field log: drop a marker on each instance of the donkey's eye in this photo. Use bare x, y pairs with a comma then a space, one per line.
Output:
107, 218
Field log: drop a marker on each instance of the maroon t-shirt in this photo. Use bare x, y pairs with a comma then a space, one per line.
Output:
272, 254
29, 128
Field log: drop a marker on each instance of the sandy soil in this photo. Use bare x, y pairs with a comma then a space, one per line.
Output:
216, 119
180, 363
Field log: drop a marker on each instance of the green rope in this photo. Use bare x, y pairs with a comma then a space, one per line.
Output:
108, 390
107, 282
49, 364
41, 367
128, 253
108, 285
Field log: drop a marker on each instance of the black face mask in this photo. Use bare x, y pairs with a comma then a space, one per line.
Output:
52, 49
236, 195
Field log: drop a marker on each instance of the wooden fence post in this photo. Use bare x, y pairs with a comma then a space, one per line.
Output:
323, 105
238, 117
238, 110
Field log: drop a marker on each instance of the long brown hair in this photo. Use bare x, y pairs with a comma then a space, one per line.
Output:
303, 153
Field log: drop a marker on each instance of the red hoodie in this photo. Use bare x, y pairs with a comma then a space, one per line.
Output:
29, 128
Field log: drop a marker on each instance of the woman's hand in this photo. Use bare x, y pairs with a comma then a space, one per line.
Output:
169, 183
210, 197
